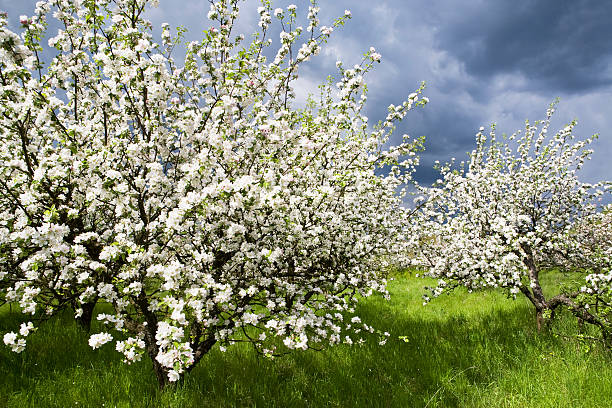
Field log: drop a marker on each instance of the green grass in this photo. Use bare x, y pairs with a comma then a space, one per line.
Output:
461, 350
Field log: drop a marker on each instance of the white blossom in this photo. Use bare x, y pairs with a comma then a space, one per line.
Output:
99, 339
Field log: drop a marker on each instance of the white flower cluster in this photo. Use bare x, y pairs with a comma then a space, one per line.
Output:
99, 339
132, 349
598, 283
173, 354
593, 236
17, 341
192, 198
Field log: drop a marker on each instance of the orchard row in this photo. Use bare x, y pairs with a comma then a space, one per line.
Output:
197, 202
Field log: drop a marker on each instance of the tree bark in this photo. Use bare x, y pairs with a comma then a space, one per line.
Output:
150, 329
577, 310
84, 320
200, 349
161, 373
545, 309
539, 319
535, 293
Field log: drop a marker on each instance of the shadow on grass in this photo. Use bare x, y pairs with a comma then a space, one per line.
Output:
58, 368
437, 359
446, 358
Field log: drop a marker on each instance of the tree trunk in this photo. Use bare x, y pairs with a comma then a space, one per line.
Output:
535, 293
84, 320
545, 316
539, 319
161, 373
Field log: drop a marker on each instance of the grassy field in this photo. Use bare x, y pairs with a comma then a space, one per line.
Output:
462, 350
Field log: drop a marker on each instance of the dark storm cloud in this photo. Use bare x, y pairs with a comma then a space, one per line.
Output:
448, 132
563, 45
491, 62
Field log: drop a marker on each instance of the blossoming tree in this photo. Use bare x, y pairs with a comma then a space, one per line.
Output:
595, 236
194, 198
508, 214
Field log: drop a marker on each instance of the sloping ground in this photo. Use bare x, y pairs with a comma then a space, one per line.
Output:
462, 350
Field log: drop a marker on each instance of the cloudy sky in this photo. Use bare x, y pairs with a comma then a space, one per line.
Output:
484, 62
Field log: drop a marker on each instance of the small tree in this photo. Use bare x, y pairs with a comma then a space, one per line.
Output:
195, 199
510, 214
